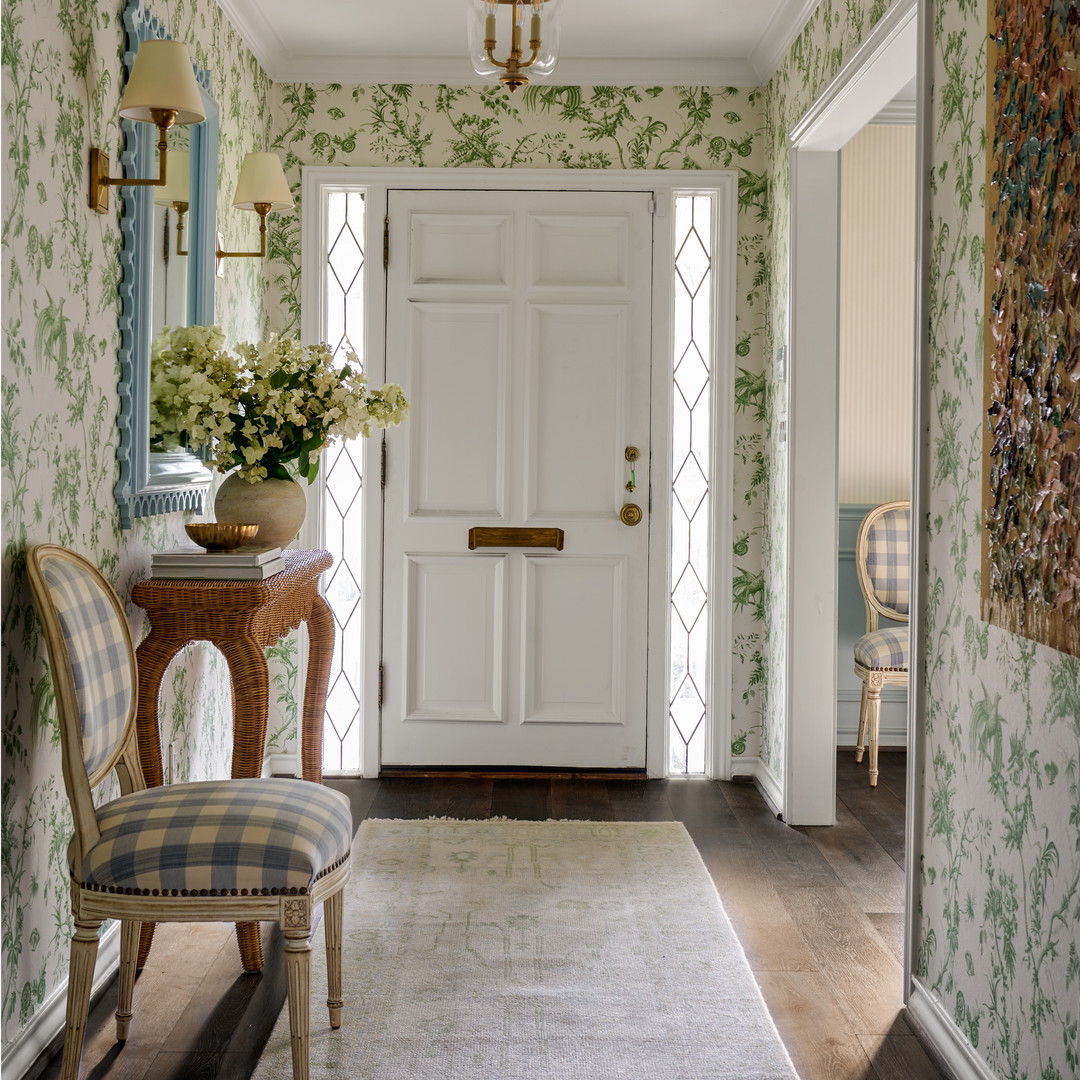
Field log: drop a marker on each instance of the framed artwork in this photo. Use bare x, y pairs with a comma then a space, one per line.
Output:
1031, 460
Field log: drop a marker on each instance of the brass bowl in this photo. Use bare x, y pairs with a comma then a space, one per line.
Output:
217, 536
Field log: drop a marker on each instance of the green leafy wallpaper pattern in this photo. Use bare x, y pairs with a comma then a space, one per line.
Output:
573, 127
61, 84
998, 931
831, 34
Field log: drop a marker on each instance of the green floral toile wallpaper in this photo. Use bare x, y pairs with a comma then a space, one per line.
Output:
998, 931
61, 84
832, 33
572, 127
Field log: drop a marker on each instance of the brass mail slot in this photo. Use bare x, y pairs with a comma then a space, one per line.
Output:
481, 536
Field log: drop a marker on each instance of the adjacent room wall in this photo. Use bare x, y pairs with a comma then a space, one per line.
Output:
61, 84
877, 313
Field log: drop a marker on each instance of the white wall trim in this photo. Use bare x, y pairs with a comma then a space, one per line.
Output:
665, 184
48, 1021
786, 25
949, 1044
770, 787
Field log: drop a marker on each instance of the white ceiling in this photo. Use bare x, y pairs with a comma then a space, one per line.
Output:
606, 42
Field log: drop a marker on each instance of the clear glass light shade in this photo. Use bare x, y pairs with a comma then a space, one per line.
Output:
162, 78
178, 188
498, 19
262, 180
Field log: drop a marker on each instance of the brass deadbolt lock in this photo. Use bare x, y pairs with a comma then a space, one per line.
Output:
631, 514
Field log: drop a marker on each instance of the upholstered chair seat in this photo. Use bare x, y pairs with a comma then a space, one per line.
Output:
218, 838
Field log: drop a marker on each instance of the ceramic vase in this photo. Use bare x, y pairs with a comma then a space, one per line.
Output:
276, 506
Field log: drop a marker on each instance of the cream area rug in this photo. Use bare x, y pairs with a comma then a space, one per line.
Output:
535, 950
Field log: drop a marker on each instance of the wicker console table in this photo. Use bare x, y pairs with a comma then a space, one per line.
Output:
241, 618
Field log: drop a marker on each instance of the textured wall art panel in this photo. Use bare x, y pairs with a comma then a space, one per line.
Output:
1031, 536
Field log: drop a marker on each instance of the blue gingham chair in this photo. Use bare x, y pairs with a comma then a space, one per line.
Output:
216, 851
883, 562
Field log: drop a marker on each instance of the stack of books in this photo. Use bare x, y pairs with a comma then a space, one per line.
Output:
243, 564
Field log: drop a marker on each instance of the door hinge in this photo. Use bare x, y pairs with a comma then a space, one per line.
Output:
386, 242
382, 465
652, 206
382, 683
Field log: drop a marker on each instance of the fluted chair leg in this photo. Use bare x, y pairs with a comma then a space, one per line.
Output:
873, 709
129, 950
84, 947
860, 739
333, 912
298, 974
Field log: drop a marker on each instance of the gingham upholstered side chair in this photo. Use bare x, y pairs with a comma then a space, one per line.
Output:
883, 562
215, 851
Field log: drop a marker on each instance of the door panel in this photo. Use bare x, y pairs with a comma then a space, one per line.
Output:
456, 630
573, 640
520, 325
458, 382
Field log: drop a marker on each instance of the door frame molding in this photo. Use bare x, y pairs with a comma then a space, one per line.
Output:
665, 185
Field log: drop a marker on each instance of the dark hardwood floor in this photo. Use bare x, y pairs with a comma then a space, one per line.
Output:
818, 911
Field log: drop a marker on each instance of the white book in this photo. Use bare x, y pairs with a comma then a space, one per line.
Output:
219, 573
198, 557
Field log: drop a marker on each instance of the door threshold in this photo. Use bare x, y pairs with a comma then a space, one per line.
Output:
414, 772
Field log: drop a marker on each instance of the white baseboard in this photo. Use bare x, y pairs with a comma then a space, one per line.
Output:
48, 1021
946, 1040
281, 765
892, 730
770, 787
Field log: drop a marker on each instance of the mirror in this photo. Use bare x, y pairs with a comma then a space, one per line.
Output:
155, 292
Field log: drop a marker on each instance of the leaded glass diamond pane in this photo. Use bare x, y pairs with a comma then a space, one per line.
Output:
691, 451
342, 469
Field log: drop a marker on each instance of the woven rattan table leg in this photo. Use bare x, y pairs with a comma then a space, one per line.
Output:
250, 676
250, 942
152, 657
320, 624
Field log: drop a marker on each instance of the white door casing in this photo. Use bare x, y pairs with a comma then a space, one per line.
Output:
665, 185
520, 323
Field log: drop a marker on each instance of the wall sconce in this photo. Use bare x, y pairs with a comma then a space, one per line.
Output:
161, 90
262, 187
177, 193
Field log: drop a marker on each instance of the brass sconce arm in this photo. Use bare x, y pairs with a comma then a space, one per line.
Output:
262, 209
101, 181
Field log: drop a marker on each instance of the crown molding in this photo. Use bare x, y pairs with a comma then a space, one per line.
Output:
282, 66
456, 71
897, 111
786, 25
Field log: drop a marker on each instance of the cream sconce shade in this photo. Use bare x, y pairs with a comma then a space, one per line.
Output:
262, 187
161, 90
177, 193
513, 42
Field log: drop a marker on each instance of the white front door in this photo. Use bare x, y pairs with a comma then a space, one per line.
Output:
520, 325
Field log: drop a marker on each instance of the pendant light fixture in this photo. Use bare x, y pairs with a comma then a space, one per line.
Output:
513, 42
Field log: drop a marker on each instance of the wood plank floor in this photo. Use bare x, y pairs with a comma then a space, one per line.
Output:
818, 911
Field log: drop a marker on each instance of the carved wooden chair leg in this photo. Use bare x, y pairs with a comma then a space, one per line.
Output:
84, 947
860, 739
873, 702
296, 927
130, 931
333, 913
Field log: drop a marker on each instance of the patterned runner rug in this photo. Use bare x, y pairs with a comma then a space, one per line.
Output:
535, 950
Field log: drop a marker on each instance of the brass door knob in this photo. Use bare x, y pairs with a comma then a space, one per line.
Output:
631, 514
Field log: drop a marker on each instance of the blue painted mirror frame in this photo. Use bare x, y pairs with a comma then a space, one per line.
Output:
149, 483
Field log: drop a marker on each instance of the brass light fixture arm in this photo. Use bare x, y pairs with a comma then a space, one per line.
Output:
181, 209
262, 209
101, 181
